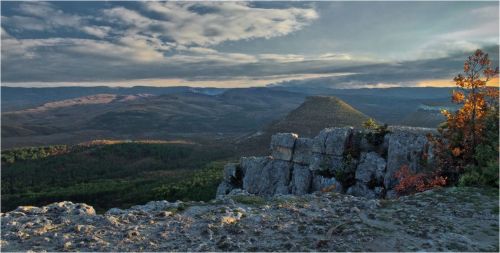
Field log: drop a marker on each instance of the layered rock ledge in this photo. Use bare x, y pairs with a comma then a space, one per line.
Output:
448, 219
359, 162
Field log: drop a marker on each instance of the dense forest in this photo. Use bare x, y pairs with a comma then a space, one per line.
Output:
105, 176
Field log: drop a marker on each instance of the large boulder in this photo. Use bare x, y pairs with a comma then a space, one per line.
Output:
371, 169
282, 145
252, 170
332, 141
328, 149
302, 153
266, 176
406, 146
301, 180
323, 162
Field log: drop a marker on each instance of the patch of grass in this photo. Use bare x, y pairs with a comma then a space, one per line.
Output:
384, 203
249, 200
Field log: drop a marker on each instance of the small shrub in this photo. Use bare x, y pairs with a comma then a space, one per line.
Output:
470, 179
480, 175
410, 182
249, 200
376, 137
370, 124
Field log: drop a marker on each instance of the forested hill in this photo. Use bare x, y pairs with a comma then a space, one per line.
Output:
114, 175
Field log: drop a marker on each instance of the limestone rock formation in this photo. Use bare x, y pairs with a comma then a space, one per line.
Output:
345, 160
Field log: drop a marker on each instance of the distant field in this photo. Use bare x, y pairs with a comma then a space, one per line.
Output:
112, 175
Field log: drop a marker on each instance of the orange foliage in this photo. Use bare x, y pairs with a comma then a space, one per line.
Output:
465, 128
410, 182
475, 98
456, 152
330, 188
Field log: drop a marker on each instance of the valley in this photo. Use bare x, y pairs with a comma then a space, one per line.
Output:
163, 145
111, 175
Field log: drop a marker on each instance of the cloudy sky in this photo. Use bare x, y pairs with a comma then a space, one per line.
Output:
236, 44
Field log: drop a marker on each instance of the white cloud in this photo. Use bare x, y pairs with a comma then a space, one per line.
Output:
283, 58
229, 82
24, 23
33, 48
467, 40
97, 31
181, 30
463, 39
334, 57
42, 16
286, 58
201, 54
228, 21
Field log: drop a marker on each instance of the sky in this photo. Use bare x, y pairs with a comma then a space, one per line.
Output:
242, 44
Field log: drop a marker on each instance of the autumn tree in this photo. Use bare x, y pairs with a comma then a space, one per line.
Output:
467, 127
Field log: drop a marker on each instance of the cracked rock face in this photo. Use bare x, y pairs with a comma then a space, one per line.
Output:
338, 159
282, 146
302, 153
267, 176
447, 219
371, 168
301, 180
405, 148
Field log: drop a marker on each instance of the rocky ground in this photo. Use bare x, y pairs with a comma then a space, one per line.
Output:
451, 219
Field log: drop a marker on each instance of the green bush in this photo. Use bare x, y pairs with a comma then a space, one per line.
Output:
471, 178
484, 175
376, 136
484, 172
370, 124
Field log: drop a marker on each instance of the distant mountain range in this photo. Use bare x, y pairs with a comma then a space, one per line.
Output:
186, 115
68, 115
16, 98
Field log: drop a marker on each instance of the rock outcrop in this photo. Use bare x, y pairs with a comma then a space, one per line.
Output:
447, 219
354, 161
